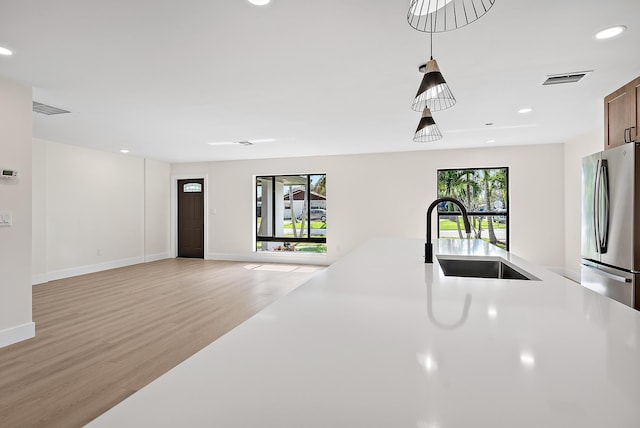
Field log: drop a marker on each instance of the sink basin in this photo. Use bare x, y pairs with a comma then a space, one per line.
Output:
482, 268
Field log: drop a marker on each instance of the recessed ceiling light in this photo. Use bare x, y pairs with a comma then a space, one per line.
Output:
491, 141
259, 2
527, 359
492, 312
607, 33
125, 151
5, 51
525, 110
428, 362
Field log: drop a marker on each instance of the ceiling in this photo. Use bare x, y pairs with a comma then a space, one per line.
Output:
163, 78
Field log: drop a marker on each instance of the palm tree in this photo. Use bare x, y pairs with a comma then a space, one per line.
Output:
449, 185
293, 214
488, 178
321, 186
470, 190
497, 187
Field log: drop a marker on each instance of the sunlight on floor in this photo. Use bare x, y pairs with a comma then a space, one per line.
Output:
284, 268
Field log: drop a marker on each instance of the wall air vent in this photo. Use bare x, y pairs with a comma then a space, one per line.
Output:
48, 110
557, 79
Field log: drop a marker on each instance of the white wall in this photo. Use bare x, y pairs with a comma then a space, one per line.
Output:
96, 210
15, 196
574, 151
387, 195
156, 210
39, 223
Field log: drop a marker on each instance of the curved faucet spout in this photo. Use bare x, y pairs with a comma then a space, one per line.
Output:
428, 247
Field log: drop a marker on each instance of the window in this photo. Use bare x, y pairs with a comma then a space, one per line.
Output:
291, 213
484, 193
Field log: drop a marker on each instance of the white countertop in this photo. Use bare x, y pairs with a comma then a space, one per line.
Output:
381, 339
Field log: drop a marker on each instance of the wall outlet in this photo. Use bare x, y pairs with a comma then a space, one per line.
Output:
6, 219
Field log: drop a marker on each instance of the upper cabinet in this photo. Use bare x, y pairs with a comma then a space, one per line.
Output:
622, 115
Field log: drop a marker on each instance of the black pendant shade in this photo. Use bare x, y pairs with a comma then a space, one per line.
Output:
427, 129
433, 93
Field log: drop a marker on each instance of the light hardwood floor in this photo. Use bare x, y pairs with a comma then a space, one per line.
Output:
101, 337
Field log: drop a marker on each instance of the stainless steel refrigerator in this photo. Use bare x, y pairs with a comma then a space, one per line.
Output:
611, 223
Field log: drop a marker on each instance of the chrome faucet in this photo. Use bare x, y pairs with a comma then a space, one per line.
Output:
428, 247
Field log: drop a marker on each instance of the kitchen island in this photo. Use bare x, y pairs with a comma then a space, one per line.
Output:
381, 339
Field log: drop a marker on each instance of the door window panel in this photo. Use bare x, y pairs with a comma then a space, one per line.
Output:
192, 188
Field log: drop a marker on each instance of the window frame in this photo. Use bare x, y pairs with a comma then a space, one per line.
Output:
274, 237
480, 214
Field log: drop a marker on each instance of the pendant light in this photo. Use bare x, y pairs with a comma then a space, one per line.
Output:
436, 16
427, 129
433, 92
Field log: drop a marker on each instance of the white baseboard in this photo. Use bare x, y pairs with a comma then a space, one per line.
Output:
39, 279
272, 257
17, 334
156, 257
82, 270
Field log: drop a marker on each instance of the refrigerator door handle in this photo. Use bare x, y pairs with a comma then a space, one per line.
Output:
604, 225
596, 198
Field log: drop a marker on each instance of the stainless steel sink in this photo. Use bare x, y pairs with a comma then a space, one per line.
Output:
482, 268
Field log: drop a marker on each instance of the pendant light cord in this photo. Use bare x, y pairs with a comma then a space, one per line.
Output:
431, 38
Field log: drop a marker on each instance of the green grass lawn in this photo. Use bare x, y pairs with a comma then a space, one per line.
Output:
288, 225
451, 225
314, 225
310, 247
307, 247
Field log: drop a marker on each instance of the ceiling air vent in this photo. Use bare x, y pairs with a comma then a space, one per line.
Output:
48, 110
557, 79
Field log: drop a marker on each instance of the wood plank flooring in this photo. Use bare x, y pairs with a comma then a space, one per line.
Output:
101, 337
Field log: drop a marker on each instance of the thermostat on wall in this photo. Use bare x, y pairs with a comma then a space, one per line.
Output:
8, 173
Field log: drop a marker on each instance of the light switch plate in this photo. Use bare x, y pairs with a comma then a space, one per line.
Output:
5, 219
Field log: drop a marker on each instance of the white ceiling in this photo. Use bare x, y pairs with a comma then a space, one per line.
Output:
164, 77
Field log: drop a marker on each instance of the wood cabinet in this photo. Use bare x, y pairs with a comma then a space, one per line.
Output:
634, 134
622, 115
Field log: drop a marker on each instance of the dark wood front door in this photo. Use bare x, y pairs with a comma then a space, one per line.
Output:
191, 218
